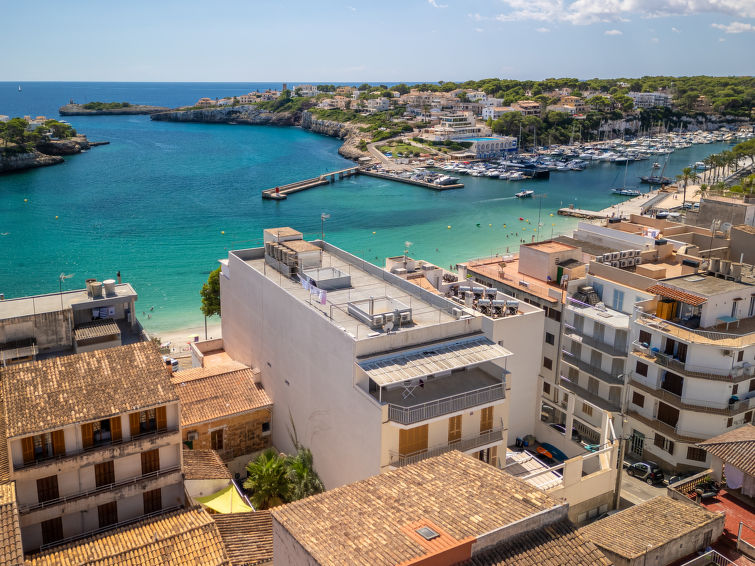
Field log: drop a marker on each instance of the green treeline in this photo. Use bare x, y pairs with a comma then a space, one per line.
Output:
16, 137
105, 105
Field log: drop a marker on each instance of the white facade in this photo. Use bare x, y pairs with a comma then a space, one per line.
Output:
378, 104
495, 112
650, 99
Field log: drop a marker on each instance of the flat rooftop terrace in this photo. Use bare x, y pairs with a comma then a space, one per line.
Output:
707, 285
51, 302
509, 274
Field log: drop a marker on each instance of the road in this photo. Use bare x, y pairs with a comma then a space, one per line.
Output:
636, 491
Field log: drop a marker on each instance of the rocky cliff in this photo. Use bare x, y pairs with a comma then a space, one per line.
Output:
79, 110
229, 115
21, 161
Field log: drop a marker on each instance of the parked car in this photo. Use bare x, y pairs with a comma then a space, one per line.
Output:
562, 429
707, 489
648, 471
173, 362
679, 477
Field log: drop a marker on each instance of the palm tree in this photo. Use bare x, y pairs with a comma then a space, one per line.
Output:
267, 479
688, 174
302, 477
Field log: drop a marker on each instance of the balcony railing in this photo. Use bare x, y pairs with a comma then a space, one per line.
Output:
460, 402
572, 333
463, 445
99, 446
668, 361
102, 489
668, 430
589, 396
724, 339
573, 360
710, 558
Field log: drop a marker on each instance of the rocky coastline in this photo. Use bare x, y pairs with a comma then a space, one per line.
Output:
79, 110
251, 115
46, 153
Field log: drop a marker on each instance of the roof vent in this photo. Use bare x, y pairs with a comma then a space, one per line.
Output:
427, 533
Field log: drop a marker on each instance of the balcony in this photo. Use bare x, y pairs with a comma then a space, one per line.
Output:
464, 445
699, 405
442, 396
604, 376
608, 349
23, 509
674, 432
738, 374
735, 338
585, 395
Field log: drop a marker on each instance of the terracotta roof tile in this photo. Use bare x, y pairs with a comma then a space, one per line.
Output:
655, 522
461, 495
204, 465
736, 447
677, 295
11, 551
45, 395
211, 393
558, 544
248, 537
93, 331
4, 463
183, 538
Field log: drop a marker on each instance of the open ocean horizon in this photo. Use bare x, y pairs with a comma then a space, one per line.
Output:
164, 201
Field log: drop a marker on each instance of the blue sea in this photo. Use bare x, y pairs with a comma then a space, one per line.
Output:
164, 201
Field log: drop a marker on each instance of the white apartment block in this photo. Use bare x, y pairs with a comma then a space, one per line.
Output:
375, 371
650, 99
306, 90
92, 442
495, 112
378, 104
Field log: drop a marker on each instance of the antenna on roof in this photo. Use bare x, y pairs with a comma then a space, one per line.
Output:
61, 278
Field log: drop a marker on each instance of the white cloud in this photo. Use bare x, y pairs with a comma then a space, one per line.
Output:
583, 12
542, 30
479, 30
676, 30
434, 4
734, 27
613, 32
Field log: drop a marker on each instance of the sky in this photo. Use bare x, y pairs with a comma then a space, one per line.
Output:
372, 41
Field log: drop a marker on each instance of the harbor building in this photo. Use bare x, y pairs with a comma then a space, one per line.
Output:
457, 126
490, 147
376, 372
92, 442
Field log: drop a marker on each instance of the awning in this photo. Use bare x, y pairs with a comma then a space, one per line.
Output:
227, 500
432, 359
677, 295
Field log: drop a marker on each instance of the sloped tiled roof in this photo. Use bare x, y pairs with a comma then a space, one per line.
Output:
49, 394
735, 447
248, 537
204, 465
210, 393
183, 538
558, 544
652, 523
95, 330
677, 295
4, 463
11, 551
370, 522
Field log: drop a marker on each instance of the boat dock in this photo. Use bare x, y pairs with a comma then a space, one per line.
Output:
390, 177
581, 213
281, 192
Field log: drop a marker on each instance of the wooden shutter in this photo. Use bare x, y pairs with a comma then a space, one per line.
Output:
161, 415
115, 429
454, 428
133, 423
87, 435
412, 440
27, 447
58, 443
486, 419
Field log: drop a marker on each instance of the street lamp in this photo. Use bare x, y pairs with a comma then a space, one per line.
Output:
323, 218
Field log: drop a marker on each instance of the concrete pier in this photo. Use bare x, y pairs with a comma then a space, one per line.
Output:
281, 192
411, 181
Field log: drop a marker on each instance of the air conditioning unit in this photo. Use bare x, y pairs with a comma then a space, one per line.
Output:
615, 256
599, 258
390, 317
637, 253
456, 313
637, 260
624, 254
406, 317
378, 320
625, 263
726, 352
192, 436
614, 264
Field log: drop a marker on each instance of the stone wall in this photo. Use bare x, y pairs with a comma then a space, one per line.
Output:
242, 434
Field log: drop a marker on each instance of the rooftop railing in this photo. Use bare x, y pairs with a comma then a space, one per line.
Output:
710, 558
452, 404
683, 333
463, 445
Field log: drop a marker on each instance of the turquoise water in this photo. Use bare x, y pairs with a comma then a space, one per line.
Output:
155, 202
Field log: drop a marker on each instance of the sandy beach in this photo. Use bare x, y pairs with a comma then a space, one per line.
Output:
179, 339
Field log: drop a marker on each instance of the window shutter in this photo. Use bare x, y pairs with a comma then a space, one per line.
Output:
133, 423
59, 443
27, 447
115, 429
161, 414
87, 435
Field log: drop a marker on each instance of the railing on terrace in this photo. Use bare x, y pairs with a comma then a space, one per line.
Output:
102, 489
683, 333
710, 558
572, 333
675, 431
87, 534
463, 445
692, 370
11, 354
98, 446
432, 409
724, 407
573, 360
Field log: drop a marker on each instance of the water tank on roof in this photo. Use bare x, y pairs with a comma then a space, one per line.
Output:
109, 286
96, 287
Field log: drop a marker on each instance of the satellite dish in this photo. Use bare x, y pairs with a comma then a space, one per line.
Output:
388, 326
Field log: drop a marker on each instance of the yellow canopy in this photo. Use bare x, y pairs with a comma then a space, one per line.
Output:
227, 500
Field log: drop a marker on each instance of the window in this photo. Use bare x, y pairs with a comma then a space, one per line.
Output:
486, 419
412, 440
696, 454
729, 422
104, 473
52, 530
150, 461
47, 488
641, 369
668, 414
748, 417
587, 409
216, 439
618, 300
108, 514
751, 311
454, 428
546, 388
152, 501
638, 399
664, 443
550, 338
752, 385
151, 420
101, 432
645, 337
43, 446
734, 389
592, 385
741, 356
547, 363
266, 426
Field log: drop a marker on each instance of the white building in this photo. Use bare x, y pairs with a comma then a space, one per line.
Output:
650, 99
491, 147
375, 371
495, 112
306, 90
476, 96
378, 104
457, 126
